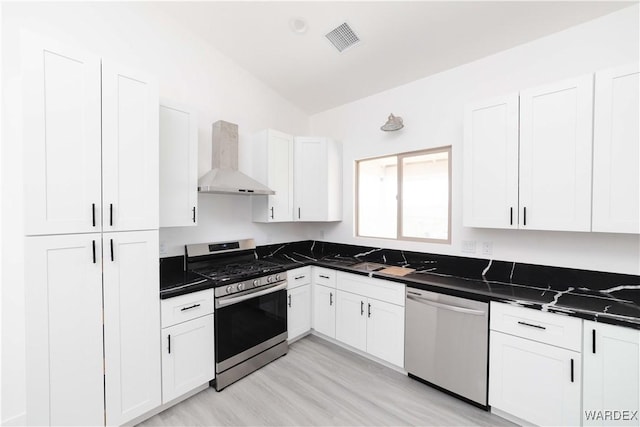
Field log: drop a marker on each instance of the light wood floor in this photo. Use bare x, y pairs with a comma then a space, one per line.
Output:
321, 384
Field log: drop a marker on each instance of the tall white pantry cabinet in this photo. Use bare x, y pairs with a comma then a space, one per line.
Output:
91, 252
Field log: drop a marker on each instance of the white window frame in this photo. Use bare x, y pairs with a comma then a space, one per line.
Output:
399, 159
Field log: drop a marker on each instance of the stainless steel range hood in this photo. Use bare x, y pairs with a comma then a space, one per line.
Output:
225, 178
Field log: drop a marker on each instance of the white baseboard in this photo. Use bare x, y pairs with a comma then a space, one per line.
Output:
167, 405
507, 416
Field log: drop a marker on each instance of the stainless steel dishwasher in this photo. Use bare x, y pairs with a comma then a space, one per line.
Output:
446, 343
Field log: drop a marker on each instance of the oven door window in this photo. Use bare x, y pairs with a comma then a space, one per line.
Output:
246, 324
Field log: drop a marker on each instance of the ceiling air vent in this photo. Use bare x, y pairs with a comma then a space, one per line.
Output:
342, 37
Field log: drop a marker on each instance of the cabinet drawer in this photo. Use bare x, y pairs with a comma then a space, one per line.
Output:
186, 307
298, 277
379, 289
324, 277
549, 328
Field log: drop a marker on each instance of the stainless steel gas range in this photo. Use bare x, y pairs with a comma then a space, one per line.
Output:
250, 318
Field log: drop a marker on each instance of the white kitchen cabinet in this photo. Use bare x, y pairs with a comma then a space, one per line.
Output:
324, 310
611, 357
555, 155
129, 149
385, 331
178, 165
536, 382
188, 357
490, 190
91, 143
351, 319
63, 312
298, 311
131, 325
317, 179
535, 365
273, 166
370, 316
616, 150
61, 133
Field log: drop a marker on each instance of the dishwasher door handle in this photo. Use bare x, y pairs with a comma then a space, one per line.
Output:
447, 306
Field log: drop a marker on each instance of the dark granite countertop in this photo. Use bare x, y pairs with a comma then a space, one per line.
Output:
603, 297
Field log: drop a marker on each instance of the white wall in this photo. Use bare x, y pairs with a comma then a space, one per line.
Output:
190, 72
432, 109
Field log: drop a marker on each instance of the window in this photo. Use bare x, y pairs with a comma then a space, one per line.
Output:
405, 196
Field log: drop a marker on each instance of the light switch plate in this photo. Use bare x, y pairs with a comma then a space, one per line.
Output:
469, 246
487, 248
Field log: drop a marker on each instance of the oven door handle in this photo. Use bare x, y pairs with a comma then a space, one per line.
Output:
225, 301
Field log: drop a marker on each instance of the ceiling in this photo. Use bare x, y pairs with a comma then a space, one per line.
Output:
400, 41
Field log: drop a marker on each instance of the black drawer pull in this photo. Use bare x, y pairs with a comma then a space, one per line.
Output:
298, 213
571, 370
111, 214
194, 214
169, 340
93, 213
323, 276
525, 215
369, 311
289, 300
361, 308
112, 250
299, 277
271, 212
593, 341
330, 298
531, 325
511, 216
190, 307
94, 251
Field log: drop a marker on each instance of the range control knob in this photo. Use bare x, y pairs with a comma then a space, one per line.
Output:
240, 286
269, 279
277, 277
255, 283
229, 289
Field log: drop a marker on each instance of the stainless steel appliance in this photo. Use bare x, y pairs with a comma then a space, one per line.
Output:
250, 317
446, 343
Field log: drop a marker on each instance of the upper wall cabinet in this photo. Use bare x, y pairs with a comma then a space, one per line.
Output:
537, 176
273, 166
616, 150
179, 165
306, 174
90, 143
317, 179
555, 155
490, 190
62, 139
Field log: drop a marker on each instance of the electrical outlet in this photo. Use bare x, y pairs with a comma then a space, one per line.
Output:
487, 248
163, 248
469, 246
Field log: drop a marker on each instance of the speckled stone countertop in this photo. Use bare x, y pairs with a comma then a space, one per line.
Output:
593, 295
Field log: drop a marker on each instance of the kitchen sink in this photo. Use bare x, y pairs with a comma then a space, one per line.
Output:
368, 266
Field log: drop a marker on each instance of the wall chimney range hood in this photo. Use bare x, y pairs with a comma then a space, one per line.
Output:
225, 178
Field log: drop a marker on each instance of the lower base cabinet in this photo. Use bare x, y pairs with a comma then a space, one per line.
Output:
188, 358
298, 311
611, 357
385, 332
536, 382
324, 310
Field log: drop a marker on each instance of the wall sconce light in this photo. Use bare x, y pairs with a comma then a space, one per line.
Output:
393, 123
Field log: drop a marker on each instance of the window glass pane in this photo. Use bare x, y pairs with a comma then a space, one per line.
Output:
377, 205
425, 196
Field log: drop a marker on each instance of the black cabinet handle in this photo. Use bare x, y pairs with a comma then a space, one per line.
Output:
112, 250
369, 310
289, 300
169, 342
93, 214
525, 216
571, 370
531, 325
111, 214
330, 298
299, 277
593, 341
194, 214
511, 215
361, 308
323, 276
271, 212
94, 251
190, 307
298, 213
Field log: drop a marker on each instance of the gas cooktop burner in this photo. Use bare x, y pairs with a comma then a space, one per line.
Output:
238, 270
